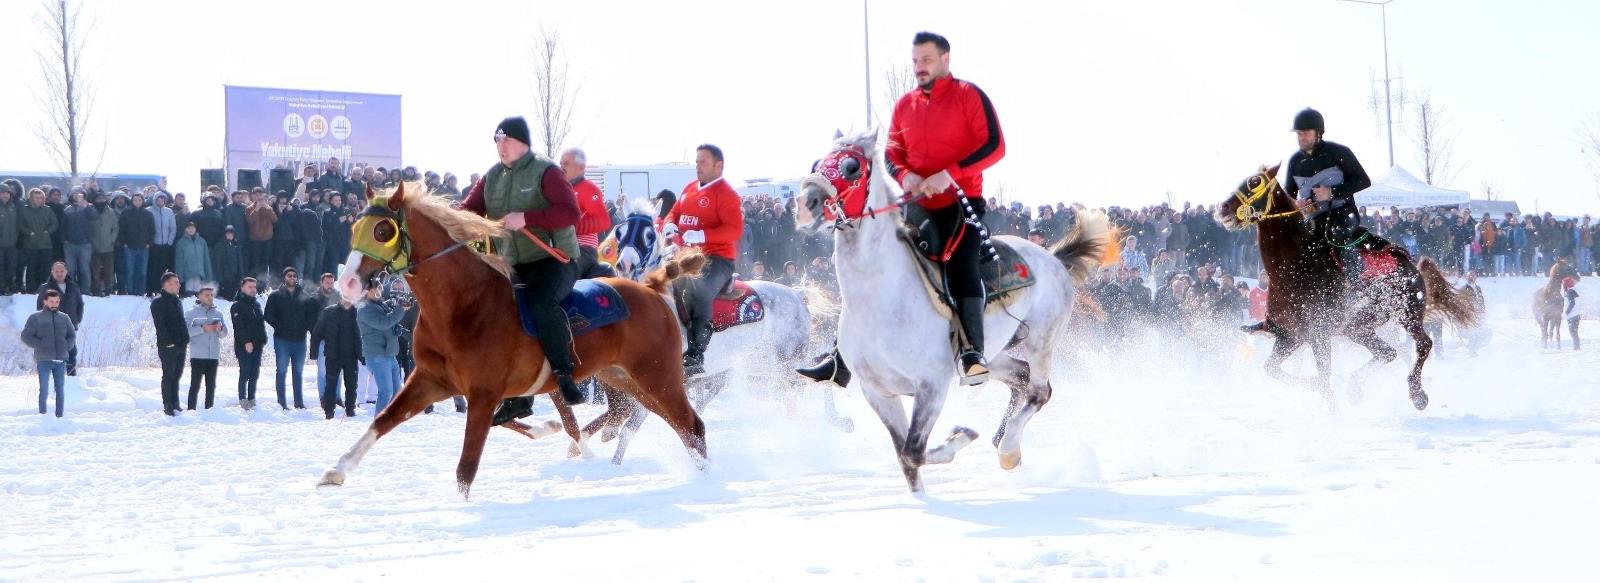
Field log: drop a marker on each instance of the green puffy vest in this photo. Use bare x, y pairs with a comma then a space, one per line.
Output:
520, 188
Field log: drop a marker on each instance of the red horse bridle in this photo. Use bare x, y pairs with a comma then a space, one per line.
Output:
846, 173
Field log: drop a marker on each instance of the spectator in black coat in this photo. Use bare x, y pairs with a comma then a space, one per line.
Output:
249, 339
337, 327
335, 234
172, 340
292, 313
227, 262
208, 221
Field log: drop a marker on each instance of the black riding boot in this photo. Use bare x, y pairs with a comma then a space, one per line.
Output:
974, 369
694, 358
831, 368
519, 407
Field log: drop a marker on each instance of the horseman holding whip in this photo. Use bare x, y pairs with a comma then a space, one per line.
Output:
942, 137
531, 195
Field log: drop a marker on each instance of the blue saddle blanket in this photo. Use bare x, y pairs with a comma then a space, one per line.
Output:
590, 305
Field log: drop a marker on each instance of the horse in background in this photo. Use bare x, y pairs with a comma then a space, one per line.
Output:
765, 350
469, 341
1306, 303
1548, 304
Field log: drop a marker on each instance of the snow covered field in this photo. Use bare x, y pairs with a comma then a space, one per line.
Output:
1139, 468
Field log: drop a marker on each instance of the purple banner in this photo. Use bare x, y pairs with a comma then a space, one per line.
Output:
289, 128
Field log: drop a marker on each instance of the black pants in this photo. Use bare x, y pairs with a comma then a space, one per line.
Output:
256, 255
202, 368
697, 296
966, 280
36, 263
547, 282
589, 265
8, 270
249, 372
171, 371
330, 391
1339, 225
161, 261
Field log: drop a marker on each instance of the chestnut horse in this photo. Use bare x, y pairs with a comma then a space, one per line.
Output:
1306, 303
1548, 304
469, 340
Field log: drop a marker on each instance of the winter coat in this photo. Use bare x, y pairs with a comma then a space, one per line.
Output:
106, 229
208, 224
310, 225
337, 327
192, 259
288, 227
227, 262
378, 334
8, 226
166, 312
262, 220
138, 228
205, 345
336, 232
291, 314
237, 216
78, 227
37, 226
166, 224
71, 298
50, 334
248, 324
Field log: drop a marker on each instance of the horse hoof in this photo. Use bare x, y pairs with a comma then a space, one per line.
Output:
1420, 400
331, 479
1009, 460
844, 424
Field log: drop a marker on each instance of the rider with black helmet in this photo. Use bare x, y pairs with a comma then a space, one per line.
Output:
1327, 176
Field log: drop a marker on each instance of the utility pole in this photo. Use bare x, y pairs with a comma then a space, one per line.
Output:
1388, 108
866, 63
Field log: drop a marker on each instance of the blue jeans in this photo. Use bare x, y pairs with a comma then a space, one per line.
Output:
49, 369
249, 372
290, 352
138, 259
386, 373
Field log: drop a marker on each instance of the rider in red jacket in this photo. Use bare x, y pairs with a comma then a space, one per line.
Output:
592, 216
709, 216
943, 136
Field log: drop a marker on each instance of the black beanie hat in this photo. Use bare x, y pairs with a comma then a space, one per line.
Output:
515, 128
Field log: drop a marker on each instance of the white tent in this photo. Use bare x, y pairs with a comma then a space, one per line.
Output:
1400, 189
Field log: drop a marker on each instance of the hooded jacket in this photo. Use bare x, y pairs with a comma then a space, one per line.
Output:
192, 259
205, 345
106, 228
8, 225
38, 225
337, 327
248, 324
138, 228
50, 334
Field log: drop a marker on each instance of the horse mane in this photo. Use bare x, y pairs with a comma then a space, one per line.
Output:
459, 225
642, 206
688, 263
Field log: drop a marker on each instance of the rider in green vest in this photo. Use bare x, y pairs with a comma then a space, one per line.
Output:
531, 195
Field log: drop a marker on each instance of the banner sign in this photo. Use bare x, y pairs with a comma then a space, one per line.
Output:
289, 128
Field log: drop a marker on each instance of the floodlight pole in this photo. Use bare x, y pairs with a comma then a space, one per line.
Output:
866, 56
1388, 109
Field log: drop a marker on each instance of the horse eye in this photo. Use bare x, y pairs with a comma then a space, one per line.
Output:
1255, 181
384, 232
851, 168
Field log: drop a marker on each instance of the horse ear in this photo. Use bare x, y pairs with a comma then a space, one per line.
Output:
1273, 171
837, 133
396, 200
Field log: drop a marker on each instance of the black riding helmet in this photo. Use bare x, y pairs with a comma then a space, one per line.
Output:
1309, 119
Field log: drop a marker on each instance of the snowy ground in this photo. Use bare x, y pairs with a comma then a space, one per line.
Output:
1140, 468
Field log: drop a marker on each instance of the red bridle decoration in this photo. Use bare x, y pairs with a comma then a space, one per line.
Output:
847, 170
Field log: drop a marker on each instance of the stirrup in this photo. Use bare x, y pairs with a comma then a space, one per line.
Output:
512, 409
830, 369
974, 370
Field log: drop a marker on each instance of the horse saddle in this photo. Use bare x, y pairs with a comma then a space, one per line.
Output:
591, 304
736, 304
1001, 279
1377, 256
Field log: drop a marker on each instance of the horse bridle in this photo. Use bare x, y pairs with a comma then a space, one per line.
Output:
395, 253
1247, 213
846, 174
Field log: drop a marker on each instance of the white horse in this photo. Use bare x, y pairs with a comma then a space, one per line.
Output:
765, 351
893, 338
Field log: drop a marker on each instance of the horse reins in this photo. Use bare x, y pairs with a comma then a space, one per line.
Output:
1247, 213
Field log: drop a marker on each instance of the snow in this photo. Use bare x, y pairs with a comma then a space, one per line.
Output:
1140, 468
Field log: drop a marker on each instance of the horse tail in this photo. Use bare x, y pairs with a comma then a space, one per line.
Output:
822, 308
1087, 246
1443, 298
1088, 307
687, 263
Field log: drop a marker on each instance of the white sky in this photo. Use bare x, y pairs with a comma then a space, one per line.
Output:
1105, 103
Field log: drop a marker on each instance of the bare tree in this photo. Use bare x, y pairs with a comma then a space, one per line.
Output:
1588, 138
898, 80
65, 96
1491, 190
554, 91
1435, 142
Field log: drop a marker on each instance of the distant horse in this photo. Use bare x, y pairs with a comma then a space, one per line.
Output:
1306, 302
767, 349
1548, 304
469, 341
893, 335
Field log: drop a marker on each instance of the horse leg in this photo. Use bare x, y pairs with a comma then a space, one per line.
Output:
1029, 393
580, 441
545, 429
707, 388
1382, 354
831, 411
924, 412
480, 420
893, 415
1322, 352
1419, 336
660, 391
1282, 348
418, 392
